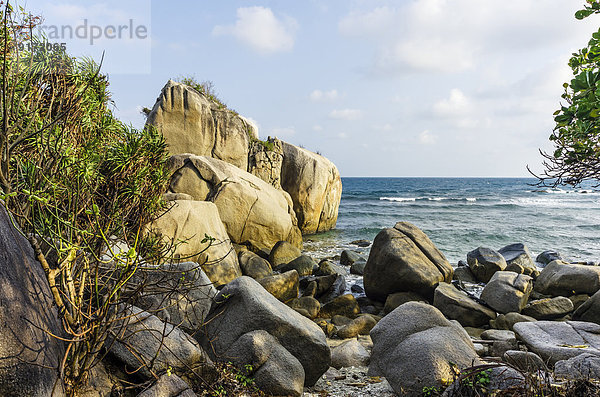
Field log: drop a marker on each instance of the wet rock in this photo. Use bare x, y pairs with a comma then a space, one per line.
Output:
358, 267
518, 254
349, 257
464, 274
548, 256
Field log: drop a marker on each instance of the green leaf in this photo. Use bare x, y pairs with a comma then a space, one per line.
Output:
581, 14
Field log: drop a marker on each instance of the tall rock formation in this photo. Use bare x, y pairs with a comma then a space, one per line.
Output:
192, 123
315, 186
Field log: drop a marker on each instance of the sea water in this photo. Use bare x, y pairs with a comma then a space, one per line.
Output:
461, 214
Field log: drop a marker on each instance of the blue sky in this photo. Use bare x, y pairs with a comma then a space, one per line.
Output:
382, 88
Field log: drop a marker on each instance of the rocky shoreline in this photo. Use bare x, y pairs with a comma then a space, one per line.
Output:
239, 291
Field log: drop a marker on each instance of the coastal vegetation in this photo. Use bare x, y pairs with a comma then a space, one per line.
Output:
576, 136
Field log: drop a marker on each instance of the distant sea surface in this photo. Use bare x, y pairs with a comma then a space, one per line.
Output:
461, 214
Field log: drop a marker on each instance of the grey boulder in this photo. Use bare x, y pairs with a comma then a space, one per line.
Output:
253, 265
147, 345
404, 259
457, 305
563, 279
589, 310
180, 294
168, 386
29, 355
518, 254
415, 346
549, 308
484, 262
507, 291
244, 305
554, 341
275, 370
584, 366
349, 354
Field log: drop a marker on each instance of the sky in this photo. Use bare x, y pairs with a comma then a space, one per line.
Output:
381, 88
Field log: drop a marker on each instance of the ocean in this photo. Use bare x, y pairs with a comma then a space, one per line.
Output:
461, 214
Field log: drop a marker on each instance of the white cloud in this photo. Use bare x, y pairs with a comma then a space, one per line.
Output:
284, 132
346, 114
261, 30
318, 95
317, 128
427, 138
456, 105
454, 36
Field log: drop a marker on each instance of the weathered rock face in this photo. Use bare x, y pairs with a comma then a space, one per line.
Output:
403, 259
555, 340
315, 186
243, 306
349, 354
29, 356
189, 221
415, 346
265, 159
253, 211
585, 366
191, 123
563, 279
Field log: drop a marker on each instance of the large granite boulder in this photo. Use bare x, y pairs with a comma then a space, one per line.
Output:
192, 123
254, 212
507, 292
563, 279
275, 370
148, 346
186, 224
315, 186
244, 305
484, 262
180, 294
415, 346
29, 355
457, 305
555, 340
403, 259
